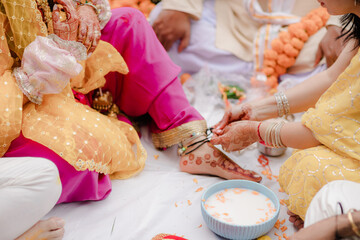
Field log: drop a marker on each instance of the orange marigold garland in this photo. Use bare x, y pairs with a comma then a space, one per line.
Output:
145, 6
287, 46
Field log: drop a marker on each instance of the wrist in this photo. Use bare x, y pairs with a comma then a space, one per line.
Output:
86, 4
255, 125
354, 222
264, 109
90, 7
345, 227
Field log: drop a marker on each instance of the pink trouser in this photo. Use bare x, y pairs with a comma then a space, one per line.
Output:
150, 87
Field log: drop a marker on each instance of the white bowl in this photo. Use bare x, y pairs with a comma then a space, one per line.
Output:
239, 232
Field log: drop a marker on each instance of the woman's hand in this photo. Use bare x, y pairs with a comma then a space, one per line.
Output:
236, 113
89, 28
236, 136
65, 20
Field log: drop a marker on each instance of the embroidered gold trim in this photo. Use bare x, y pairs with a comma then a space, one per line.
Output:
178, 134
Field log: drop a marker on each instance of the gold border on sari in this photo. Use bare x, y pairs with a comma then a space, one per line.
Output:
178, 134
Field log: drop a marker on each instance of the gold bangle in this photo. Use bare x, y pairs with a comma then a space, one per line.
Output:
353, 225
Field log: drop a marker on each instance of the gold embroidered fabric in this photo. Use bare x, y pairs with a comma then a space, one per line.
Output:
83, 137
11, 99
178, 134
24, 23
94, 69
335, 122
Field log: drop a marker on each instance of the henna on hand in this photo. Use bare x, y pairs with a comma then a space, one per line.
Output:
65, 28
89, 28
236, 113
236, 136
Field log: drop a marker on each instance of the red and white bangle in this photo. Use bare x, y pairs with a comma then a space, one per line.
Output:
259, 135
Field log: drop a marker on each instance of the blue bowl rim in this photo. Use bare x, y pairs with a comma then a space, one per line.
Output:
245, 181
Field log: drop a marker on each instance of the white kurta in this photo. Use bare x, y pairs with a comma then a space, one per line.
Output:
29, 189
325, 204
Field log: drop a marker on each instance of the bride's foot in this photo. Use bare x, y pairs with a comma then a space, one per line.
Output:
295, 219
50, 229
207, 159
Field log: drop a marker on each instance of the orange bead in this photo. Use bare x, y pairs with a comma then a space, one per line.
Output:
270, 54
317, 21
268, 71
297, 43
269, 63
294, 27
323, 14
285, 61
272, 81
301, 34
280, 70
277, 45
310, 27
290, 50
285, 37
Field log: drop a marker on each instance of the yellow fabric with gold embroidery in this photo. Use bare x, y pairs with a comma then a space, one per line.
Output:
83, 137
335, 122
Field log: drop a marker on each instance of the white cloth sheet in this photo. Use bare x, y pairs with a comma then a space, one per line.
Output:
162, 199
155, 201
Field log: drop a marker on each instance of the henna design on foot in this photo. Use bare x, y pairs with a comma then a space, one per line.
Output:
209, 160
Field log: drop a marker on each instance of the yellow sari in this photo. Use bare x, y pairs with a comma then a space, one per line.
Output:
335, 122
83, 137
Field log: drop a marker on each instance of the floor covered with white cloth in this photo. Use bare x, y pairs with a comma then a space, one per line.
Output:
161, 199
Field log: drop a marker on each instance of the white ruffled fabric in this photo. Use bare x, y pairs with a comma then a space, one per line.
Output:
47, 66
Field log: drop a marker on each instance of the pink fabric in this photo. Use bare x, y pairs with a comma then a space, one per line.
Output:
76, 185
152, 85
